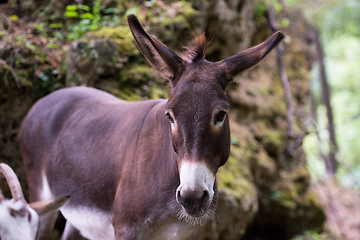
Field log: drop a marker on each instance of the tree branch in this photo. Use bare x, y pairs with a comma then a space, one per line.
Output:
285, 82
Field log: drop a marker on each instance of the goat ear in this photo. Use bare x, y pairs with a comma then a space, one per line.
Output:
162, 58
43, 207
234, 65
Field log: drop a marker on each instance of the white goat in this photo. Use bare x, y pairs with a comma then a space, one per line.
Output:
18, 219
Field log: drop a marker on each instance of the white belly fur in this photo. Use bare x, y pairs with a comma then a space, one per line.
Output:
92, 223
96, 225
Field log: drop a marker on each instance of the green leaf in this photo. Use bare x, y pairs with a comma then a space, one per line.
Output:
14, 18
72, 36
43, 76
52, 45
56, 25
83, 7
285, 23
87, 16
85, 21
95, 53
112, 10
260, 9
93, 27
134, 11
39, 26
71, 8
71, 14
235, 141
82, 45
278, 7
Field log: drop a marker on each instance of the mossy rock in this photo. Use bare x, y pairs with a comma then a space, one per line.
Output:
89, 59
137, 74
121, 36
235, 176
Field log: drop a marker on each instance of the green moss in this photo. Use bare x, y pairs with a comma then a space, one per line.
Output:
128, 95
272, 139
135, 74
301, 179
235, 175
265, 163
283, 196
288, 198
278, 107
121, 35
156, 92
311, 201
185, 12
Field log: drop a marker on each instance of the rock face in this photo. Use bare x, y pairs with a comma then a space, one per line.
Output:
263, 191
268, 186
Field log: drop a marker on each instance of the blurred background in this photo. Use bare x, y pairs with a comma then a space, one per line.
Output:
294, 169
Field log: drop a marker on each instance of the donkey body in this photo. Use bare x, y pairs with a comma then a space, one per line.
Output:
141, 170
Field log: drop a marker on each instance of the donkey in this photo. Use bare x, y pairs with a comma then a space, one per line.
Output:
136, 170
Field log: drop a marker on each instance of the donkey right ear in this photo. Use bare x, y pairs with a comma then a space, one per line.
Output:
234, 65
162, 58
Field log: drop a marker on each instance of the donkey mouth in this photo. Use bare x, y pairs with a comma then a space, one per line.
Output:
195, 211
197, 215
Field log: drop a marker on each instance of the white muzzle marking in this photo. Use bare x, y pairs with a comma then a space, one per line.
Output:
196, 176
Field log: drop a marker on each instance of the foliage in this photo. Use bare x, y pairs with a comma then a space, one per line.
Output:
339, 24
121, 36
261, 8
334, 17
88, 21
309, 235
30, 61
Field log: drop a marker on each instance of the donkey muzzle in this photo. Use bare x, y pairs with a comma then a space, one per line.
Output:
195, 192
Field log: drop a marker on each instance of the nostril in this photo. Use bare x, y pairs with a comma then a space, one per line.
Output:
205, 197
193, 200
185, 199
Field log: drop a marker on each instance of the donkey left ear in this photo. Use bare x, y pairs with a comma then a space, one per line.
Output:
162, 58
234, 65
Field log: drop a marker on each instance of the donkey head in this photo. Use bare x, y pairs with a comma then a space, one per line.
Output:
197, 113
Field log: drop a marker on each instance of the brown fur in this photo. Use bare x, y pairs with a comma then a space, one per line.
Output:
122, 157
197, 50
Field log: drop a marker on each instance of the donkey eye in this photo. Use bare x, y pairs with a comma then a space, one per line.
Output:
220, 117
169, 117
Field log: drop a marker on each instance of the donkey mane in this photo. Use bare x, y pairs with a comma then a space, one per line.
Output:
197, 50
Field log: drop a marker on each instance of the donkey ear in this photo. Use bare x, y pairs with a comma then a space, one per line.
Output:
234, 65
162, 58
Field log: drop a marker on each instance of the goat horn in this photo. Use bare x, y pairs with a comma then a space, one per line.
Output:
13, 182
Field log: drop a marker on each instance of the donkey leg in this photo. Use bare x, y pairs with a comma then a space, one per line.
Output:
46, 226
71, 233
47, 221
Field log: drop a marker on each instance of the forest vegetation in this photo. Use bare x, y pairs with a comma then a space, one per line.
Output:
294, 169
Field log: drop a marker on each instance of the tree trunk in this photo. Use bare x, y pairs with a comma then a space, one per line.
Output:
330, 161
